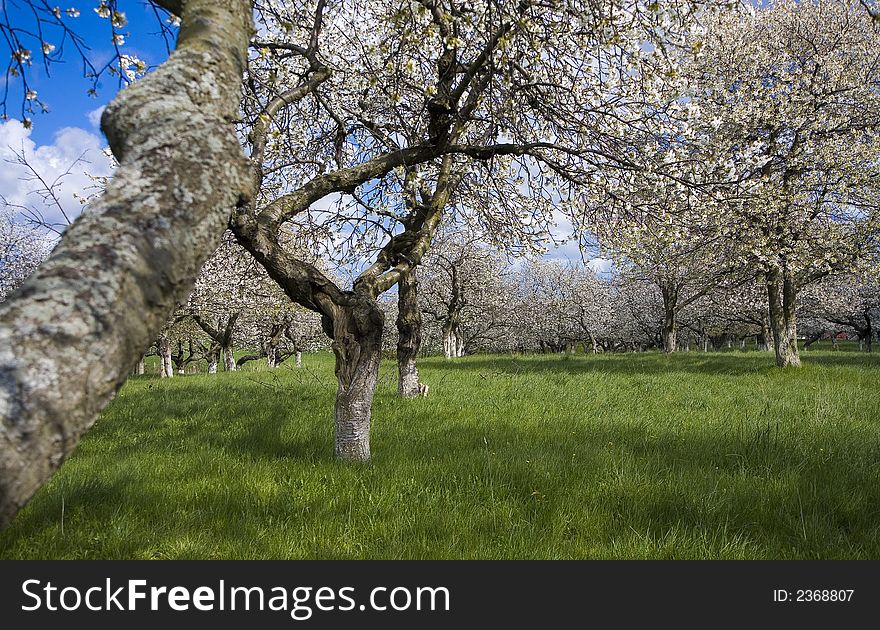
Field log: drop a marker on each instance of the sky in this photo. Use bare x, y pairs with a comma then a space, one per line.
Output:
68, 136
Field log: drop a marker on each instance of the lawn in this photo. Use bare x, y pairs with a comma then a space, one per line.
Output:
695, 455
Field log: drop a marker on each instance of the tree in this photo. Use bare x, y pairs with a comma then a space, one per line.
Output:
462, 287
790, 118
22, 249
120, 270
849, 301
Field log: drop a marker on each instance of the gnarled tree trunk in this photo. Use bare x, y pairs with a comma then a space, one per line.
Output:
782, 293
120, 269
357, 343
409, 335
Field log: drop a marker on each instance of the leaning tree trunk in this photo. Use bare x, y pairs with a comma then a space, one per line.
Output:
357, 343
137, 251
594, 348
409, 335
781, 294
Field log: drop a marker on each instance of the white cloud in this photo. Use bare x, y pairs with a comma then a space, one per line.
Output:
601, 266
94, 116
19, 187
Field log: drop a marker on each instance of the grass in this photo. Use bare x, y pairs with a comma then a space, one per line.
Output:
615, 456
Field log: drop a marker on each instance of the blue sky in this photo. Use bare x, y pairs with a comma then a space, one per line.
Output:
65, 90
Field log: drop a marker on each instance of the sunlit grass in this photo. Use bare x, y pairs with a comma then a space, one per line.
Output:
616, 456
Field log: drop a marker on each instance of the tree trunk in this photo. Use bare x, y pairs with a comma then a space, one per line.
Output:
449, 341
765, 341
166, 364
782, 294
670, 297
141, 366
669, 331
271, 358
357, 344
299, 359
213, 358
409, 335
138, 249
229, 359
595, 348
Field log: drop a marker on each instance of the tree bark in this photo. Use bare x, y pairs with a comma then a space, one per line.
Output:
166, 364
141, 366
298, 361
782, 294
409, 335
765, 341
213, 359
669, 332
121, 268
450, 341
594, 347
670, 299
357, 343
229, 359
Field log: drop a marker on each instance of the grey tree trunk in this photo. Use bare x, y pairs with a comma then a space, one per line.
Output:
229, 359
450, 346
765, 341
166, 364
272, 358
357, 344
670, 328
299, 359
459, 344
593, 345
139, 249
409, 335
213, 359
141, 367
782, 294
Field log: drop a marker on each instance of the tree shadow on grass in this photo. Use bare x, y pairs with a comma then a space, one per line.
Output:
250, 473
742, 485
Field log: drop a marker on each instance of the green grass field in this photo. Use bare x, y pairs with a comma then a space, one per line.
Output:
695, 455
